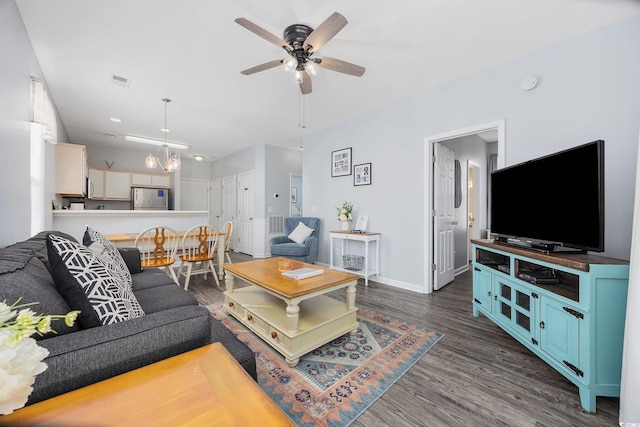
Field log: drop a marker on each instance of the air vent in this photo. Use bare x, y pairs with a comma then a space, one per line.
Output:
276, 224
120, 81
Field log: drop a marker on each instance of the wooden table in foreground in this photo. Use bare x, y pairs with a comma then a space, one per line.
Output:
292, 316
205, 386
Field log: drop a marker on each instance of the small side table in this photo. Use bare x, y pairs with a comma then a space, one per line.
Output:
356, 264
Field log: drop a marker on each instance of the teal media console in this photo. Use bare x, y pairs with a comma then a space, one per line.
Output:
574, 321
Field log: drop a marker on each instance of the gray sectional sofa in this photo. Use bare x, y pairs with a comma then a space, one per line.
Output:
172, 323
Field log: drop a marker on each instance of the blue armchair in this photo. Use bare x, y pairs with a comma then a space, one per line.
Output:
307, 251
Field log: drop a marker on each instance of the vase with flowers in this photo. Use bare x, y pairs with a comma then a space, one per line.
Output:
20, 355
344, 215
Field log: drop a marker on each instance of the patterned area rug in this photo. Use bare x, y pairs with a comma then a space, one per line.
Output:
334, 384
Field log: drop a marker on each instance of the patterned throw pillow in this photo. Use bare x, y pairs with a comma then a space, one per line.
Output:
109, 254
87, 284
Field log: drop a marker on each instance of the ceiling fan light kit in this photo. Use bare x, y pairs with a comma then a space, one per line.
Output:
301, 42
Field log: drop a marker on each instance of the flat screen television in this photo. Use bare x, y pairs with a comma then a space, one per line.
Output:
552, 203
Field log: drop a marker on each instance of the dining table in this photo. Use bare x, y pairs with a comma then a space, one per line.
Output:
122, 240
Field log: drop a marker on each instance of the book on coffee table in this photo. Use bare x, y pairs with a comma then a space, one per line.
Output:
302, 273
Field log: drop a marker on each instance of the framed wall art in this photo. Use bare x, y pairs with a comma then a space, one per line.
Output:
341, 162
362, 174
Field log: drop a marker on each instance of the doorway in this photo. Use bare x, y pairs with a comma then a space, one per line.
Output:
497, 129
295, 195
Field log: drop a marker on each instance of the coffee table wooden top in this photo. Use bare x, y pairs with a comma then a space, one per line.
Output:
264, 273
206, 386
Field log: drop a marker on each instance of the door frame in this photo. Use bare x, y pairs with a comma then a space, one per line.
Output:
499, 126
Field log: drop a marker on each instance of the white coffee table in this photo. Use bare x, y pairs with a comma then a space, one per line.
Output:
292, 316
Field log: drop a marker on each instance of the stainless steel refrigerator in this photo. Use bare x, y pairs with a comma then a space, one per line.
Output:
149, 199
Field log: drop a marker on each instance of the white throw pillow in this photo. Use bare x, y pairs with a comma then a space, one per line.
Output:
300, 234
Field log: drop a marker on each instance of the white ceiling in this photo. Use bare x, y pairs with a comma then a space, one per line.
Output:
192, 52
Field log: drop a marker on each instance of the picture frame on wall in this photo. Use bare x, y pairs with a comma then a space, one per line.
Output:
341, 162
362, 174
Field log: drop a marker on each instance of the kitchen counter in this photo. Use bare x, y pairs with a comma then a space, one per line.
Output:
74, 222
124, 212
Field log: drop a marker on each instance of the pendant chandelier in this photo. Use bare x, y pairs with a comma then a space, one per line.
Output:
164, 158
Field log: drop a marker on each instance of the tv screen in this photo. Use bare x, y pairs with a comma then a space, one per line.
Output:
552, 202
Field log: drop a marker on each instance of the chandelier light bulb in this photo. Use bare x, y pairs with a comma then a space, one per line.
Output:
151, 162
298, 76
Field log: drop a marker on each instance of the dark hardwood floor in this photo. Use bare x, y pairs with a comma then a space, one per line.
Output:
477, 375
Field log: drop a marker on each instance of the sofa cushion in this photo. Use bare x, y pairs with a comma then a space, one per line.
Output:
162, 298
131, 257
290, 249
28, 280
102, 247
88, 285
151, 277
300, 233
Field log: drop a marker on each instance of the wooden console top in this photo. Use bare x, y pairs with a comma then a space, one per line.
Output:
576, 261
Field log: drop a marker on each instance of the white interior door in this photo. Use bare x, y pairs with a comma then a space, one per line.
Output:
246, 212
228, 203
214, 203
443, 219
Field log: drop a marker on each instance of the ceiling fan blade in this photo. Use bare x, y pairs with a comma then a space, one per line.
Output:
325, 32
270, 37
262, 67
339, 66
305, 84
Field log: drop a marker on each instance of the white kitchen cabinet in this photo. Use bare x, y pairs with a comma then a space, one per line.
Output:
150, 180
117, 185
71, 170
161, 181
140, 179
96, 184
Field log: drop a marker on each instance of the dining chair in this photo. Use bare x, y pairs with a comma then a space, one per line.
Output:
198, 247
158, 246
227, 229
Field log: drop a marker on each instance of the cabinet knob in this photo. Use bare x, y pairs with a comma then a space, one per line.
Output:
541, 325
249, 317
489, 293
231, 304
274, 335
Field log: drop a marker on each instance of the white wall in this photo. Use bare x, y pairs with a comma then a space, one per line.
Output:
18, 65
272, 166
588, 90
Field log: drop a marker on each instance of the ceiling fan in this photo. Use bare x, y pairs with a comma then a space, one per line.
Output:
301, 42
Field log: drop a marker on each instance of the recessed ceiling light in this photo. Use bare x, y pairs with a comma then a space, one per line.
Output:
198, 157
165, 130
115, 119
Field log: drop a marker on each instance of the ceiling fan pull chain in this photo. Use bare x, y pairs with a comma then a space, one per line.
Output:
301, 108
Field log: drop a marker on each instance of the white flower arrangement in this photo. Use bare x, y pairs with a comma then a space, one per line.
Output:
20, 355
344, 212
